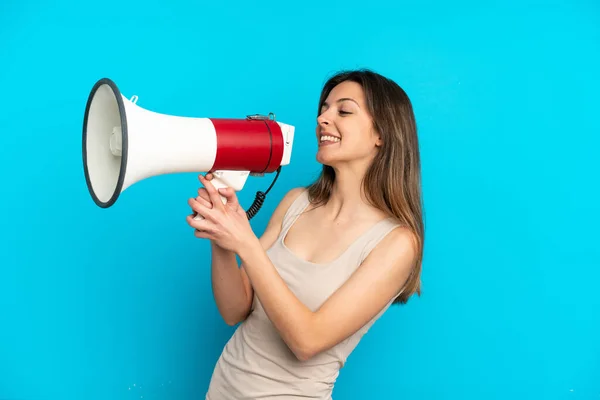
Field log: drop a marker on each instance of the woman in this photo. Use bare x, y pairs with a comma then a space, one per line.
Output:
334, 256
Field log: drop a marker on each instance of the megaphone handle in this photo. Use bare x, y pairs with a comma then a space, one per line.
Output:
223, 179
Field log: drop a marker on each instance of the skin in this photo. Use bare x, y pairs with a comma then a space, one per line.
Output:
344, 217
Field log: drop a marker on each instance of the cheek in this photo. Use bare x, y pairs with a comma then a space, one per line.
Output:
356, 135
359, 144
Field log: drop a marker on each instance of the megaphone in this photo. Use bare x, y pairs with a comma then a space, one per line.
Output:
124, 143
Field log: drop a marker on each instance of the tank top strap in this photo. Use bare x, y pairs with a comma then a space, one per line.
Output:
294, 210
374, 236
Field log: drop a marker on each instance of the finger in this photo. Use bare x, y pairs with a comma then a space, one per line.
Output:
193, 218
208, 176
204, 200
203, 235
200, 208
214, 196
230, 196
200, 224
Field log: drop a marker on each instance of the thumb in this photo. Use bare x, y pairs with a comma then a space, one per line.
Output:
230, 196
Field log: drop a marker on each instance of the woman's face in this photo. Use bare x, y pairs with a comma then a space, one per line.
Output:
345, 128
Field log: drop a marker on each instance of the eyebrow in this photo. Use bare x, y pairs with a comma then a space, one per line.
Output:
342, 99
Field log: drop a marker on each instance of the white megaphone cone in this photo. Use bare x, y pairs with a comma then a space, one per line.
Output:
124, 144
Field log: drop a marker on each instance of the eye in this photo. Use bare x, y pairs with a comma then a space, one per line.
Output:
342, 112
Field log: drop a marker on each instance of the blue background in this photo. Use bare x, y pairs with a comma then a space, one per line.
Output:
117, 304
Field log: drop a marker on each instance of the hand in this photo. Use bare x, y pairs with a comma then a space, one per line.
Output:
203, 196
225, 224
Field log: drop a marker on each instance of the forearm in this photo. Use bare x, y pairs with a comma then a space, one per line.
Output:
228, 286
295, 322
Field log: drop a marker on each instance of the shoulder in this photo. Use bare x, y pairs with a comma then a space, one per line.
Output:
291, 196
394, 255
288, 199
400, 241
274, 225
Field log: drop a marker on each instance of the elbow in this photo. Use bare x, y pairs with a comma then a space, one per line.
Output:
234, 315
303, 355
232, 321
234, 318
308, 342
305, 350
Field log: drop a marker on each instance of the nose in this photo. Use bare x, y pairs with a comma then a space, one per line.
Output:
322, 119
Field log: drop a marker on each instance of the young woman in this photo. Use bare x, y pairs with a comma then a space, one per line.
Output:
334, 256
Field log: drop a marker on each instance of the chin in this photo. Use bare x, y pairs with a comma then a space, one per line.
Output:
321, 160
329, 161
332, 157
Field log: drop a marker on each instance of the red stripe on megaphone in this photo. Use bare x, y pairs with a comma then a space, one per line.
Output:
254, 145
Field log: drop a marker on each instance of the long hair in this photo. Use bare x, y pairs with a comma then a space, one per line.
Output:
393, 180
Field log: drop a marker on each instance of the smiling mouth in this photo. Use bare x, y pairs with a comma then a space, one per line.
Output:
329, 138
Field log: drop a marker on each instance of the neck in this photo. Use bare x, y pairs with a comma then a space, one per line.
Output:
347, 198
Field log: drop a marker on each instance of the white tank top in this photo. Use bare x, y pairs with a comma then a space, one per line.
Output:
256, 363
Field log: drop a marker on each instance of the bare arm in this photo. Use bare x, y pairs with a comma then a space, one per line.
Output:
231, 286
378, 280
363, 296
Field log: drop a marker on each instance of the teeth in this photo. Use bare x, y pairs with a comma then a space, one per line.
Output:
329, 138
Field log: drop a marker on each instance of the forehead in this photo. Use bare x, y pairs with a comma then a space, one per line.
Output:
346, 89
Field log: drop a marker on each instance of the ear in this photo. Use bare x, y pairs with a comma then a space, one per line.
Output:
378, 140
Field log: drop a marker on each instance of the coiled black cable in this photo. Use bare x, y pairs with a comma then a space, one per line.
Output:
260, 198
